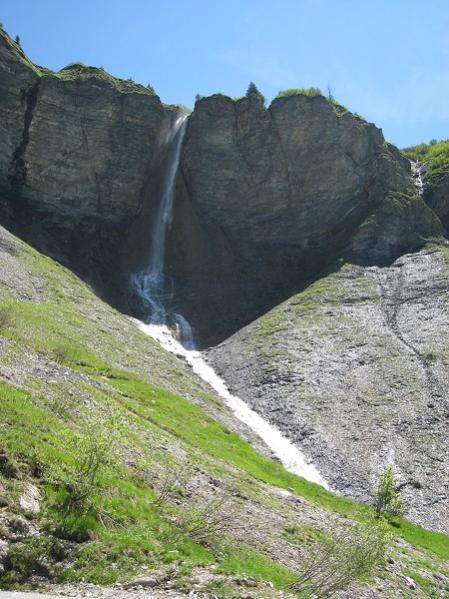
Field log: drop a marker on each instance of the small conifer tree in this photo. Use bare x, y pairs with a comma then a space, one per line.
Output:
387, 496
17, 40
252, 93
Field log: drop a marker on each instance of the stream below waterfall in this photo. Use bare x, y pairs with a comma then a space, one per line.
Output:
288, 454
155, 291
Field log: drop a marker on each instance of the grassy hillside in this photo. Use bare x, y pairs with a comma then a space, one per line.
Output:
136, 466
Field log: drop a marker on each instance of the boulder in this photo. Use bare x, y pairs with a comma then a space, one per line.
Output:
30, 498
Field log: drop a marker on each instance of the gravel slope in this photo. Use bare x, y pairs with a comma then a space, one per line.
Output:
354, 370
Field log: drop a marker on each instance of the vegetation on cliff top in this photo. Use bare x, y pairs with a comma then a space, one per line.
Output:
435, 156
78, 70
315, 92
17, 49
311, 92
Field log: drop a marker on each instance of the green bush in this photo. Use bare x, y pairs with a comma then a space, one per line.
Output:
30, 557
77, 485
76, 66
311, 92
76, 527
387, 497
6, 317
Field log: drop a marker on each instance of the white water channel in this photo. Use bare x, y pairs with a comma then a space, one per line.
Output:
151, 285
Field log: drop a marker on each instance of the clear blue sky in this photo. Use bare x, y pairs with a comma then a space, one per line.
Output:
386, 59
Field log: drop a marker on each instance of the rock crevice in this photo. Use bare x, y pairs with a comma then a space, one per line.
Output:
18, 169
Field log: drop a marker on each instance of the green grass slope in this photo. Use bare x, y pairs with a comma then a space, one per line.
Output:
135, 463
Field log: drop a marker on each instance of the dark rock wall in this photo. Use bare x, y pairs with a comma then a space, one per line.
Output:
269, 198
78, 164
266, 199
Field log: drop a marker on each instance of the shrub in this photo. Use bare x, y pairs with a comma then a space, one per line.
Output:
8, 466
26, 559
387, 497
207, 523
77, 485
6, 317
76, 66
337, 562
311, 92
76, 527
60, 354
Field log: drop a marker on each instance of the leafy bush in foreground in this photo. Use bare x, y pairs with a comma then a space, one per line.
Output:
337, 562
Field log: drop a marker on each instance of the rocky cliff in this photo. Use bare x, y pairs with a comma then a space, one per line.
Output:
269, 198
266, 199
79, 155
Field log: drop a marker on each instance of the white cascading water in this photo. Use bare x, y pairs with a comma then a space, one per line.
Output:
151, 285
418, 176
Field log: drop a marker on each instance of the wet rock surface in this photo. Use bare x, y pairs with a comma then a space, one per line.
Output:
354, 370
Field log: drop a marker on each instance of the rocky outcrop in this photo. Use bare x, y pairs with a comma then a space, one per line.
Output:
268, 198
355, 371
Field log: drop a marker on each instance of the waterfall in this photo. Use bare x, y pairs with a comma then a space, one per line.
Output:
418, 172
153, 288
150, 283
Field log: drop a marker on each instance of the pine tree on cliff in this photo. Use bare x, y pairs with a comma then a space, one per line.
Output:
252, 93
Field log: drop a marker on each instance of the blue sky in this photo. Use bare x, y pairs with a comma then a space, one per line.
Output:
385, 59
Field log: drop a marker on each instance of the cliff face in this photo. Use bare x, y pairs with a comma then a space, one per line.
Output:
271, 197
78, 153
266, 199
